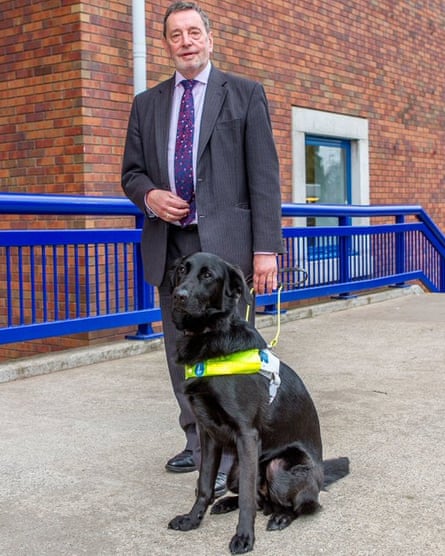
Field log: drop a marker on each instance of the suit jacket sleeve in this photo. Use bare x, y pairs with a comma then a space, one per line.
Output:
263, 175
238, 186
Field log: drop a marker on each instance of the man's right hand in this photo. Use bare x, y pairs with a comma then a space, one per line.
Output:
166, 205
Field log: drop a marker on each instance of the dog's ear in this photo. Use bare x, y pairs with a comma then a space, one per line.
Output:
173, 272
236, 286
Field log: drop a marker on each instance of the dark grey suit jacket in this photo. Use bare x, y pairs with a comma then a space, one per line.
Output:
237, 178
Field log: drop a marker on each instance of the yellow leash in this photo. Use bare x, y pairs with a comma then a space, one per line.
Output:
274, 341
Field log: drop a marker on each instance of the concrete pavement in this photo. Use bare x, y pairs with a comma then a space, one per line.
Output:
82, 452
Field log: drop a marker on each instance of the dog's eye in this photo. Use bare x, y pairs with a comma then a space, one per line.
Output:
206, 273
180, 271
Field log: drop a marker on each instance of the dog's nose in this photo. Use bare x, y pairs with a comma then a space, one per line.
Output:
180, 295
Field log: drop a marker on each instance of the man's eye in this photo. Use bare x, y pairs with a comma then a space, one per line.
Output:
195, 34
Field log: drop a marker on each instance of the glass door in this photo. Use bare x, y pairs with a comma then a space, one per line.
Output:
328, 174
328, 181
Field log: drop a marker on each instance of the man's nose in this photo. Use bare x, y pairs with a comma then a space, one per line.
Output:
186, 38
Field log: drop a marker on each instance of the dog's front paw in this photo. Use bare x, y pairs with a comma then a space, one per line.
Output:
240, 544
183, 523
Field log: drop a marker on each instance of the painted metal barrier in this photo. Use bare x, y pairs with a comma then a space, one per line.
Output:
64, 281
349, 256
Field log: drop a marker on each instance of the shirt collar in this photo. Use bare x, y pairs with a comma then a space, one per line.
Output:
202, 77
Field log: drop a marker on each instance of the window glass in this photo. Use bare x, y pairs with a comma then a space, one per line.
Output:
328, 174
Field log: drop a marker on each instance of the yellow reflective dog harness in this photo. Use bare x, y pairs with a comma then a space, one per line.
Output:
251, 361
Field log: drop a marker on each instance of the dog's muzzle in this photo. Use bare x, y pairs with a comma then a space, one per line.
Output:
180, 296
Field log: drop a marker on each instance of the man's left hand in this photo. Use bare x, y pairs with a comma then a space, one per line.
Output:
265, 270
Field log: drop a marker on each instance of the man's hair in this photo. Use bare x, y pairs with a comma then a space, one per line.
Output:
181, 6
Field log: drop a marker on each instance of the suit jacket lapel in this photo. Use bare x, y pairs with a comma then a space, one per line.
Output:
215, 95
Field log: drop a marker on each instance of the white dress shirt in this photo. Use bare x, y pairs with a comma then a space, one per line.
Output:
198, 92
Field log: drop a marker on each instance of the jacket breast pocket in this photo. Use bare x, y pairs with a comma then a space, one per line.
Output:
226, 140
230, 128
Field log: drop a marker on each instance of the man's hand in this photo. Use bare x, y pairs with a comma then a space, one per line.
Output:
166, 205
265, 270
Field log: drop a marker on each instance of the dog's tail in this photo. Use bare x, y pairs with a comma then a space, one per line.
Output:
335, 469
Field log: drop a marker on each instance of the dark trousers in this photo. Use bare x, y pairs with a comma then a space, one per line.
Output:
181, 243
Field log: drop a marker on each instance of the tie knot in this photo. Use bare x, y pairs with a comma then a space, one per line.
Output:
188, 84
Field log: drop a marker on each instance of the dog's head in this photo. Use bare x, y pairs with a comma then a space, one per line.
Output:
206, 289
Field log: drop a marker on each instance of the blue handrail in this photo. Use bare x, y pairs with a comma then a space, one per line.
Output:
55, 282
28, 203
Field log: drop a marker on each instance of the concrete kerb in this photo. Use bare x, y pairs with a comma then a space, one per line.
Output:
70, 359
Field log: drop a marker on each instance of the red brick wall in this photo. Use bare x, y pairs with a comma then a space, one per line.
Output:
66, 85
379, 60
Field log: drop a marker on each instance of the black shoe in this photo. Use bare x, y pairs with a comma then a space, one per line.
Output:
220, 484
181, 463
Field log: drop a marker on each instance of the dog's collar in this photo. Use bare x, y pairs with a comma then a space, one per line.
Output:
246, 362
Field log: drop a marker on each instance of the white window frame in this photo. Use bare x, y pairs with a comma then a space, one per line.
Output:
328, 124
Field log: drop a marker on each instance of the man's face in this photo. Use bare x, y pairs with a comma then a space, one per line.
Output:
188, 43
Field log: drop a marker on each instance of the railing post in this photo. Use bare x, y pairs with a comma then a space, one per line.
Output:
144, 293
400, 250
343, 251
442, 275
344, 248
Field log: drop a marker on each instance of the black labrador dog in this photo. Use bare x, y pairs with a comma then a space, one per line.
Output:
266, 417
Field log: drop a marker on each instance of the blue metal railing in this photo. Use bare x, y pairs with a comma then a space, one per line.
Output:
343, 259
55, 282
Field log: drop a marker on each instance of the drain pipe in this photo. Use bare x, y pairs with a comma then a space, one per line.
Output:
139, 47
144, 295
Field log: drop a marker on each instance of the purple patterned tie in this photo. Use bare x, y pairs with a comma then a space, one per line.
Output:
184, 150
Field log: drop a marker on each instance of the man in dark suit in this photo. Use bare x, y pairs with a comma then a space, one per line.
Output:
234, 210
